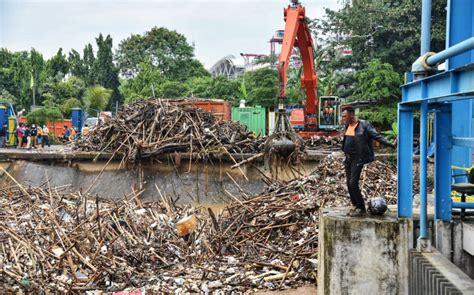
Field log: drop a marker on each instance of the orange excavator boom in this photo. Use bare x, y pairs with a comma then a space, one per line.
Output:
297, 34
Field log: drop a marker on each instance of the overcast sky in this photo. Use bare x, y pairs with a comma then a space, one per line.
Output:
216, 28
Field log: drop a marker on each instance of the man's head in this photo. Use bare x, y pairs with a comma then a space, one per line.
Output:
348, 115
65, 127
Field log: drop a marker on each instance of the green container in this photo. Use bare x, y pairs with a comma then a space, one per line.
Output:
253, 117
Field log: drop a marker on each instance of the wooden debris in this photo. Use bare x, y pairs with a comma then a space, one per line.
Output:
60, 242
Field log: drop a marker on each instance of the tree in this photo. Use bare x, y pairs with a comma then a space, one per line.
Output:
88, 60
262, 87
43, 115
378, 81
223, 88
168, 51
97, 97
200, 87
76, 64
141, 86
68, 105
6, 97
173, 89
106, 73
37, 67
57, 66
56, 93
387, 30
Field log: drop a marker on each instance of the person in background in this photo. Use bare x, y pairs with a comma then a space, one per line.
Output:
34, 134
3, 135
72, 137
45, 136
19, 135
39, 138
27, 137
85, 130
66, 134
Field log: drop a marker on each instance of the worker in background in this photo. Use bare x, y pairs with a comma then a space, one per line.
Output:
72, 136
19, 135
34, 134
66, 134
39, 138
358, 149
85, 130
27, 136
45, 136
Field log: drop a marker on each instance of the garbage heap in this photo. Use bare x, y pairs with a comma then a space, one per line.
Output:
58, 241
148, 128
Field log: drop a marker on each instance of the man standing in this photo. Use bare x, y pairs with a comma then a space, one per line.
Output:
358, 148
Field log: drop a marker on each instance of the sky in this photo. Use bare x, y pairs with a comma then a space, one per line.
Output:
216, 28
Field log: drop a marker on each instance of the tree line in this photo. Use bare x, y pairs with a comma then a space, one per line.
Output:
382, 35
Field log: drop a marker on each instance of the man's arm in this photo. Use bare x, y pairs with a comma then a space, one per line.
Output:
376, 136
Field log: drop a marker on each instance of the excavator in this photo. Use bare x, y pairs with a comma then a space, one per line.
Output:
284, 141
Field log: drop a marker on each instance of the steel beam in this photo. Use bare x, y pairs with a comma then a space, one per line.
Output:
463, 205
456, 84
405, 161
442, 135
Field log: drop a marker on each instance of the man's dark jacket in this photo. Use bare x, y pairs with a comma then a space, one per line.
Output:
364, 134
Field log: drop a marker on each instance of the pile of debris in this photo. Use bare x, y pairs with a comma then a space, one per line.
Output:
148, 128
329, 143
69, 242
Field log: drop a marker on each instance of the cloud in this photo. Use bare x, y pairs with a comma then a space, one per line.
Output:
217, 28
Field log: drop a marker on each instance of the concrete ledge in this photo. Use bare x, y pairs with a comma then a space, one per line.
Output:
366, 255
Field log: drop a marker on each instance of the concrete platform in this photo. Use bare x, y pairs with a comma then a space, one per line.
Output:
363, 255
65, 153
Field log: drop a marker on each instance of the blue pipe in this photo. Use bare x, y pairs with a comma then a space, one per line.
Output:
454, 50
463, 205
425, 26
423, 169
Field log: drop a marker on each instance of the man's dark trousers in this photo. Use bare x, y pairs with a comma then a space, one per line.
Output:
353, 169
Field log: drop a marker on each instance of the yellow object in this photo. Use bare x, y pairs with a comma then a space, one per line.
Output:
11, 130
186, 225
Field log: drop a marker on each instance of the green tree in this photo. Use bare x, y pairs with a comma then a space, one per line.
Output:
173, 89
378, 81
88, 61
387, 30
262, 87
140, 87
97, 97
105, 71
223, 88
168, 51
56, 93
43, 115
200, 87
68, 105
6, 97
56, 67
76, 64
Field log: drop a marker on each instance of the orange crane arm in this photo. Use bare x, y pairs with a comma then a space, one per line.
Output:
297, 34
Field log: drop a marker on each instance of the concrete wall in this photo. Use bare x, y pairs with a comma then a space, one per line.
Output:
455, 240
367, 255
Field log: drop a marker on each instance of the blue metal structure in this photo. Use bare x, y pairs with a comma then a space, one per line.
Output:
448, 95
77, 118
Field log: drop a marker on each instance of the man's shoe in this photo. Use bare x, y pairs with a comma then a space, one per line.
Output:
356, 212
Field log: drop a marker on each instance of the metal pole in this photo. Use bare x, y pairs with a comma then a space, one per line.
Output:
454, 50
423, 170
425, 26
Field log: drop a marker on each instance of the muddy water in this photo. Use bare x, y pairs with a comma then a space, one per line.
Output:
207, 184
